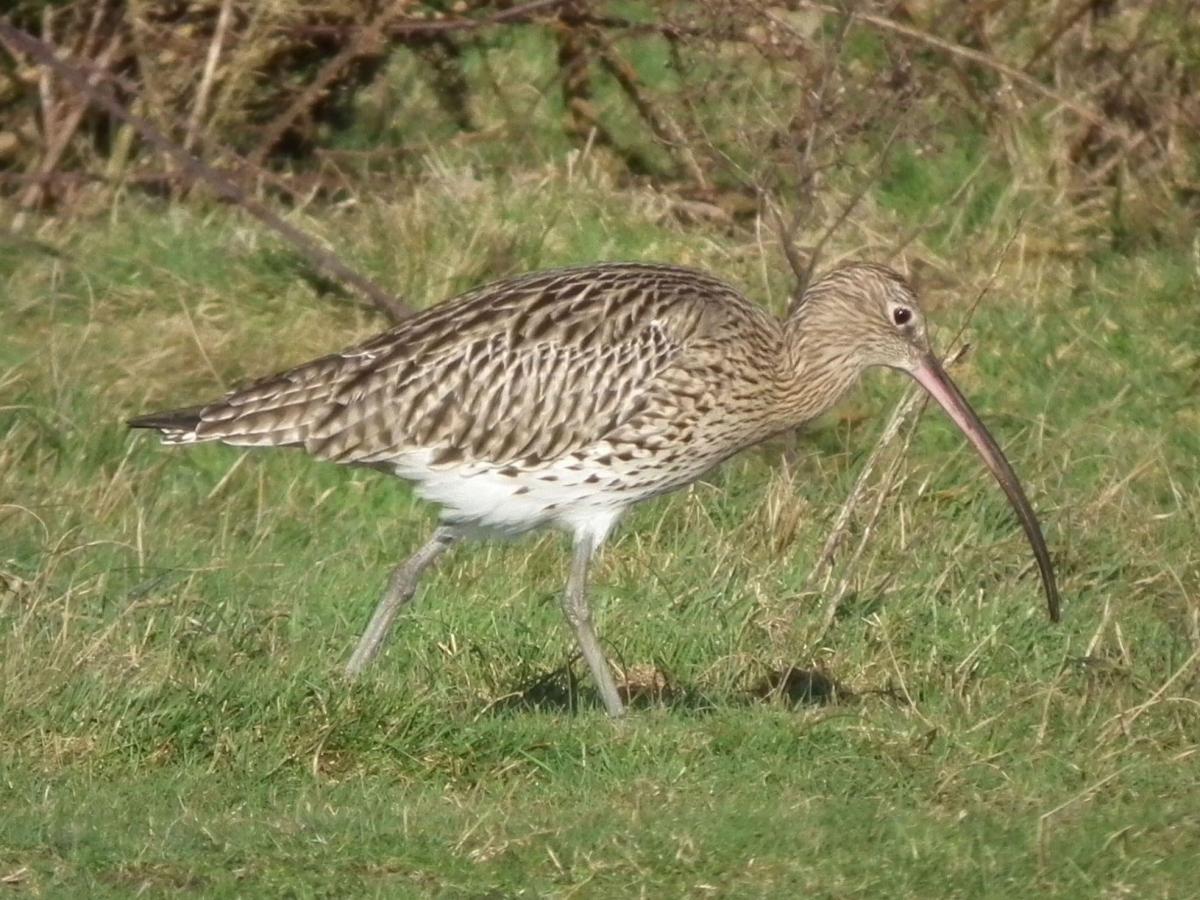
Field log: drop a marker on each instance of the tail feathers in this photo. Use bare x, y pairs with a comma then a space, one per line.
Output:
175, 424
281, 426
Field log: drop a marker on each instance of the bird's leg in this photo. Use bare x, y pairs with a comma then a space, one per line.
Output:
578, 613
400, 590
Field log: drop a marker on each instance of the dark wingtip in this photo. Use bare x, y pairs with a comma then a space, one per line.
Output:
169, 420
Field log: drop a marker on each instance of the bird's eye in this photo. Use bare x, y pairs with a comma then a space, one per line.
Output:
901, 315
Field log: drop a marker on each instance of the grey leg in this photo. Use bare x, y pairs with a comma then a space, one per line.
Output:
400, 590
575, 606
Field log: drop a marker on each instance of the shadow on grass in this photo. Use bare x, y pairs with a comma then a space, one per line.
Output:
645, 686
801, 687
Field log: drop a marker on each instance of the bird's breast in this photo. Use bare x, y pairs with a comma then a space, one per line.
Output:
574, 492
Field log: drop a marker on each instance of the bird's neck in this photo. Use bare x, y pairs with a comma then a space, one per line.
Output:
817, 369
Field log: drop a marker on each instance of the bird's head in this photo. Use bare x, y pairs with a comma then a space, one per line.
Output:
864, 315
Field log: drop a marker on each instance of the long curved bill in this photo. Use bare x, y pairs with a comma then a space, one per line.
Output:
931, 376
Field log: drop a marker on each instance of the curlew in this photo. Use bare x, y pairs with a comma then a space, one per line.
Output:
564, 397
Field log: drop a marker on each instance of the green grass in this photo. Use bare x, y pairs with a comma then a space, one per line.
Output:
173, 621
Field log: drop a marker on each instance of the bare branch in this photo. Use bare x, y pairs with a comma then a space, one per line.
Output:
366, 41
880, 161
64, 131
100, 95
521, 13
1080, 109
663, 127
210, 70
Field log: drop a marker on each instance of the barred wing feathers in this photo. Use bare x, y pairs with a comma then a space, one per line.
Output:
525, 370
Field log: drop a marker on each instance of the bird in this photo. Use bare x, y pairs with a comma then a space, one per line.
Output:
562, 398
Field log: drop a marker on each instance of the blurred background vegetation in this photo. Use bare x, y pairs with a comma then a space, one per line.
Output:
1086, 111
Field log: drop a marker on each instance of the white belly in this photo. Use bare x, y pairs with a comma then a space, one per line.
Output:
579, 496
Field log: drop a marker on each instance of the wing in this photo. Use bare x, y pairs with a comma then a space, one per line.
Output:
494, 400
527, 370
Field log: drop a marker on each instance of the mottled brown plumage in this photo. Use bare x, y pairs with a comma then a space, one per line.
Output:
563, 397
